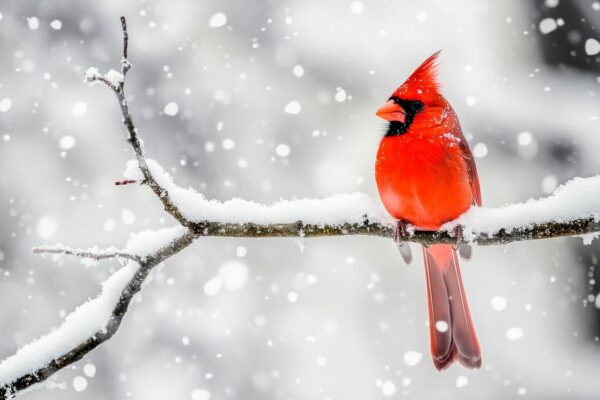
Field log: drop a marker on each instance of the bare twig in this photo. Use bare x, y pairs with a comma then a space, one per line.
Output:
124, 62
125, 182
134, 141
86, 253
118, 87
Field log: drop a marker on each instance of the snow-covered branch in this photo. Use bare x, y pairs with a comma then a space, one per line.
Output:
97, 320
92, 323
572, 210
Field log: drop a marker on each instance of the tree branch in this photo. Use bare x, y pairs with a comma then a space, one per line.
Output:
93, 254
546, 230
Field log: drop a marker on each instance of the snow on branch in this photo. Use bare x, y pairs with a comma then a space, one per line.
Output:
572, 210
92, 323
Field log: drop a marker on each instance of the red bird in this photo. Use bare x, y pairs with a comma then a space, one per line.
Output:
426, 176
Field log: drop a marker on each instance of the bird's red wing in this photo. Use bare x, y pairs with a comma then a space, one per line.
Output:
472, 169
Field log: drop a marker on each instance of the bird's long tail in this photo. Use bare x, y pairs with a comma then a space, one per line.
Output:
451, 329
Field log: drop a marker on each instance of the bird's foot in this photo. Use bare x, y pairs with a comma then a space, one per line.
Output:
401, 232
464, 250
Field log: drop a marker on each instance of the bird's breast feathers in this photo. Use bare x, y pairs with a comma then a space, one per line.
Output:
422, 178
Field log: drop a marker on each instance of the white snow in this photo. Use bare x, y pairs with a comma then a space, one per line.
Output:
171, 109
228, 143
89, 370
298, 70
79, 109
576, 199
331, 210
209, 147
79, 383
109, 225
471, 100
233, 275
547, 25
441, 326
217, 20
388, 388
80, 324
282, 150
412, 358
33, 23
5, 104
213, 286
525, 138
127, 216
56, 24
240, 251
480, 150
66, 142
293, 107
200, 394
340, 95
461, 381
91, 76
147, 242
588, 238
499, 303
356, 7
514, 333
115, 77
292, 297
422, 16
46, 227
592, 47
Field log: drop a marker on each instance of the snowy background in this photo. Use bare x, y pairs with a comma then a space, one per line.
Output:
267, 100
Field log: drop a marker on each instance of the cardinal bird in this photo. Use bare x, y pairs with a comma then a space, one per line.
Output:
426, 176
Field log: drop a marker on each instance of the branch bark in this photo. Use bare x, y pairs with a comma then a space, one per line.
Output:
546, 230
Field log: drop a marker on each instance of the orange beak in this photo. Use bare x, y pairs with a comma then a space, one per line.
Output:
391, 111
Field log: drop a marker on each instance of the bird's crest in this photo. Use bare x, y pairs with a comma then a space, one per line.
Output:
423, 82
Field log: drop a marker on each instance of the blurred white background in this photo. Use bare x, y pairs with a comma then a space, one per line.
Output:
336, 318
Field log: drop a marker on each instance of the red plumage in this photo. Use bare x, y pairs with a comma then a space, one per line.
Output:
426, 176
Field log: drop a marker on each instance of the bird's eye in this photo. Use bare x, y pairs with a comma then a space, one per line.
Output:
417, 105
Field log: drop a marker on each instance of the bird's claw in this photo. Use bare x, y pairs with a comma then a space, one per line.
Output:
401, 232
464, 250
